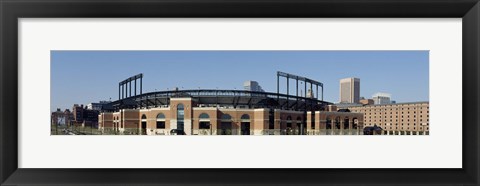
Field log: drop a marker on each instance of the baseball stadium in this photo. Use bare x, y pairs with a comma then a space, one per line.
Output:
226, 112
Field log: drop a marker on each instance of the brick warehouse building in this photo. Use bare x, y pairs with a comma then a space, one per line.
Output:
225, 112
411, 118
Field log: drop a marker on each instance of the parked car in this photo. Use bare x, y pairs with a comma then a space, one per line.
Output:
177, 132
375, 130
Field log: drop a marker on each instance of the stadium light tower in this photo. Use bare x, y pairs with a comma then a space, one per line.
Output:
125, 86
303, 80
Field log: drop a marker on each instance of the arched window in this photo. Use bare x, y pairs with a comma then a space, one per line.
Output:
289, 126
226, 117
245, 124
204, 116
161, 116
289, 118
204, 121
160, 121
355, 123
143, 125
346, 123
328, 123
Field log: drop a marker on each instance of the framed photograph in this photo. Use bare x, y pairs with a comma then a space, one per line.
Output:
228, 92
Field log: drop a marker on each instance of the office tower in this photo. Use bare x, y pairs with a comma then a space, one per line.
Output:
350, 90
381, 98
252, 86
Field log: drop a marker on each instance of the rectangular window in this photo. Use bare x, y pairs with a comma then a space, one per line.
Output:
204, 125
160, 124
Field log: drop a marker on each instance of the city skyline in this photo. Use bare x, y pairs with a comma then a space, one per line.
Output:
82, 77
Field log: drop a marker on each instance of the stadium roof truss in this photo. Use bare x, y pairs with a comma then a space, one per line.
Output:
233, 98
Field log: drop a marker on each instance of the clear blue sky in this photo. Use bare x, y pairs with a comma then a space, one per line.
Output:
90, 76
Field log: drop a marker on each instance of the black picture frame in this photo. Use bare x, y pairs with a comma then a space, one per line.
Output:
12, 10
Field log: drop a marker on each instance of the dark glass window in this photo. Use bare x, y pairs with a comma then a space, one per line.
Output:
160, 116
160, 124
226, 117
180, 116
204, 125
160, 121
205, 121
245, 117
204, 116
